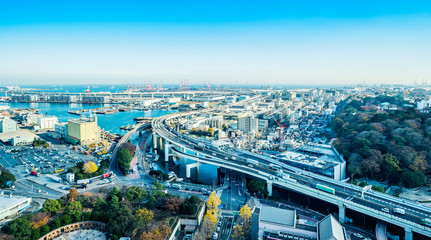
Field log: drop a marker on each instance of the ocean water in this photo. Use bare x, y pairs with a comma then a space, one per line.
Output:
109, 122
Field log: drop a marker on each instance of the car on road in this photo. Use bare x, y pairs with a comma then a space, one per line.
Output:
218, 229
358, 235
250, 165
386, 210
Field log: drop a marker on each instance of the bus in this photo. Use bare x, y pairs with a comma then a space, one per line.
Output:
426, 221
324, 188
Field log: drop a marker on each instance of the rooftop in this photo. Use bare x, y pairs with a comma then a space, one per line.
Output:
330, 229
278, 216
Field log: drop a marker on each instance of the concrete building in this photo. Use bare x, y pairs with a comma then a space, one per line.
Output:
248, 124
62, 129
262, 124
95, 99
330, 229
208, 98
11, 206
215, 122
47, 122
277, 223
17, 138
7, 125
63, 98
69, 177
24, 98
83, 130
31, 118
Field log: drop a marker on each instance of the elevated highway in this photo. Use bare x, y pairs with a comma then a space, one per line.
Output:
345, 195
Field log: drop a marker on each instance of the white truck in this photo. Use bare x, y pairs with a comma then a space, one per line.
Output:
399, 211
254, 162
176, 186
287, 178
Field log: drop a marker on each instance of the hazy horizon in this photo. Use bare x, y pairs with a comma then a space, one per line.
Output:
248, 42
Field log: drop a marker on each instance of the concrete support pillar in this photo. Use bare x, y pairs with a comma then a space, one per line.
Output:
408, 234
154, 141
167, 148
269, 187
188, 173
197, 171
341, 213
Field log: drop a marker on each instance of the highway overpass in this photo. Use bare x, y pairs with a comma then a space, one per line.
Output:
346, 195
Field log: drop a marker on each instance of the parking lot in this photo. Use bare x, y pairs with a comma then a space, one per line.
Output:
44, 160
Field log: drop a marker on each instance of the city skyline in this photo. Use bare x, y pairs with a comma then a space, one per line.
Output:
274, 43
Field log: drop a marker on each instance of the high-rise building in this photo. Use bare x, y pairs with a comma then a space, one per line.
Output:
248, 124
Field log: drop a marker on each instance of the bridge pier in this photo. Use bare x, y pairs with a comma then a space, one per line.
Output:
408, 234
154, 141
341, 213
190, 166
269, 187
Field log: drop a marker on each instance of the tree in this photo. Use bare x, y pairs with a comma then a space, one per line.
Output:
413, 179
66, 219
20, 228
5, 178
35, 234
74, 209
39, 219
159, 233
73, 193
135, 194
210, 220
354, 165
211, 131
143, 216
55, 223
245, 212
124, 157
238, 232
90, 167
44, 230
213, 202
51, 206
173, 204
121, 222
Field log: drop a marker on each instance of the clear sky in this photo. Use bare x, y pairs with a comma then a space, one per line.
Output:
259, 42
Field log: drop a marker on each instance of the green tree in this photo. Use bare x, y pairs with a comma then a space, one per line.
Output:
44, 229
66, 219
21, 228
5, 177
135, 194
55, 223
74, 209
413, 179
51, 206
124, 157
35, 234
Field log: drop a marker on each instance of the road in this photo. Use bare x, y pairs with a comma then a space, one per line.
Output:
239, 161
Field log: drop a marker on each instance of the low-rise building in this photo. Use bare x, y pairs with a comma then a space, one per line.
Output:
17, 138
61, 129
69, 177
8, 125
47, 122
12, 205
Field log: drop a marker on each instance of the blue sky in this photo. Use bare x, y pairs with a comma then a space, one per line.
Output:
259, 42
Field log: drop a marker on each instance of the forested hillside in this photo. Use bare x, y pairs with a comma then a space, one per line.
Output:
385, 145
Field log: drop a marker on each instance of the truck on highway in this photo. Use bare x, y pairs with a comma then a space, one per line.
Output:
399, 211
288, 178
254, 162
176, 186
233, 158
323, 188
202, 145
84, 181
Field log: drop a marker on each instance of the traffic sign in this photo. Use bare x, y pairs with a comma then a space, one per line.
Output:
236, 212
